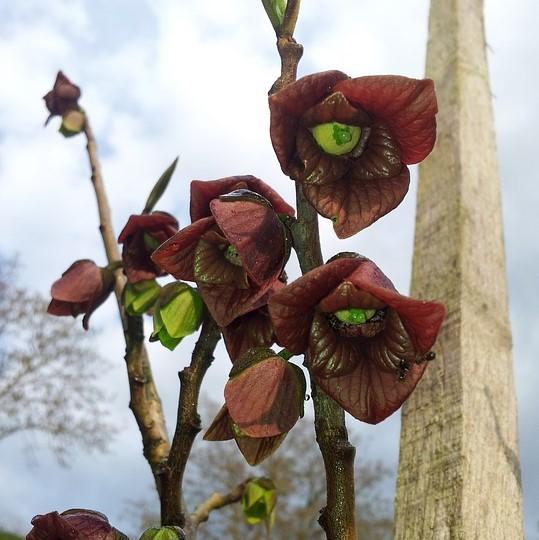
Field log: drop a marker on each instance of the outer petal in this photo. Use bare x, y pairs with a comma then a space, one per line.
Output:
203, 192
250, 331
257, 450
292, 308
289, 104
155, 221
408, 106
353, 204
176, 255
220, 429
257, 234
264, 400
79, 283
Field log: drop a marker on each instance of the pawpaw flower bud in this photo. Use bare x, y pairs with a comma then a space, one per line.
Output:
75, 524
263, 400
72, 123
258, 502
349, 141
63, 97
365, 344
163, 533
83, 287
139, 298
178, 312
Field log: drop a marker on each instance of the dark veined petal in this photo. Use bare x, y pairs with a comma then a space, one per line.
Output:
289, 104
250, 331
176, 255
203, 192
226, 303
257, 450
137, 264
79, 283
335, 108
220, 429
155, 221
353, 204
292, 308
264, 400
407, 106
347, 295
57, 307
257, 234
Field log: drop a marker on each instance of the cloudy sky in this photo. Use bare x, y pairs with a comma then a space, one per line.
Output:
168, 77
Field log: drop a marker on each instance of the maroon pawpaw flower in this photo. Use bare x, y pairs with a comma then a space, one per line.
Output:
263, 401
250, 331
348, 141
364, 343
140, 237
63, 97
83, 287
236, 255
75, 524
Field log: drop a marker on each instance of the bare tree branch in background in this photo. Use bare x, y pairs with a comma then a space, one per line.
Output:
298, 472
49, 374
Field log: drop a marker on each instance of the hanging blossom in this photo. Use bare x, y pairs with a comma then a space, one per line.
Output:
235, 249
365, 345
263, 400
83, 287
348, 141
141, 235
63, 97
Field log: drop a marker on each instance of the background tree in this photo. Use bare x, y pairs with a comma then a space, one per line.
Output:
49, 374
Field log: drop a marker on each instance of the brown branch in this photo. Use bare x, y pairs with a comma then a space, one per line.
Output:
216, 501
338, 516
145, 402
188, 425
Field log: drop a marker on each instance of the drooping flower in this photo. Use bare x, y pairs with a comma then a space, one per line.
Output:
83, 287
235, 255
75, 524
365, 344
263, 400
141, 235
63, 97
348, 141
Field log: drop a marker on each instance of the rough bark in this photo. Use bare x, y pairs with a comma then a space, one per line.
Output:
459, 473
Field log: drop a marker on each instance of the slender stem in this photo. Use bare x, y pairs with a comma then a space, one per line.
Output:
187, 426
338, 516
145, 402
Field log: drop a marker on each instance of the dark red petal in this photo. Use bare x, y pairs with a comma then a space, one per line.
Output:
59, 308
292, 308
203, 192
347, 295
92, 525
369, 393
257, 450
330, 355
250, 331
289, 104
422, 319
52, 526
226, 303
335, 108
79, 283
176, 255
408, 106
353, 205
257, 234
220, 429
155, 221
264, 399
137, 264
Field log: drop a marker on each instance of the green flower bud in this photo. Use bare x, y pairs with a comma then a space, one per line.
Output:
138, 298
355, 315
258, 501
335, 138
72, 123
177, 314
163, 533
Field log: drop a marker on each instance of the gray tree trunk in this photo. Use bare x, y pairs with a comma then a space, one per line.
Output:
459, 472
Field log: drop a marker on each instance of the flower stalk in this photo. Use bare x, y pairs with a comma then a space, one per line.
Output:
338, 516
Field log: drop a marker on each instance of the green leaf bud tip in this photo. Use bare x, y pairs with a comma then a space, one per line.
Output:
163, 533
355, 315
258, 501
73, 122
138, 298
335, 138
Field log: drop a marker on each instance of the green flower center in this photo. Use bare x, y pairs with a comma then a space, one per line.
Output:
336, 138
355, 315
150, 242
232, 255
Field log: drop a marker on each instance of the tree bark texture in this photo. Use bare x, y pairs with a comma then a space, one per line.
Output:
459, 472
